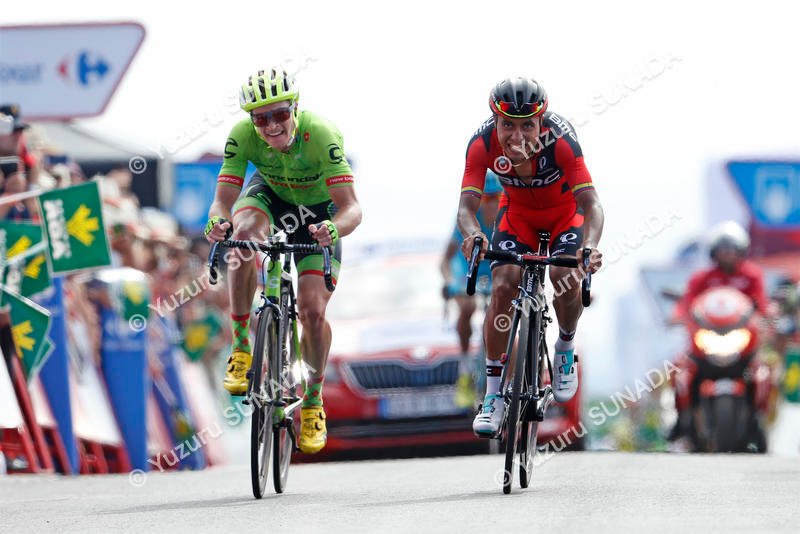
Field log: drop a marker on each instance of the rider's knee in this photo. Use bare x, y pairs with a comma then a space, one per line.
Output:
504, 288
311, 315
466, 305
244, 232
249, 225
566, 282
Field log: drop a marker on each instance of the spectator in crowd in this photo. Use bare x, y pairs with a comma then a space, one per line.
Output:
14, 143
22, 210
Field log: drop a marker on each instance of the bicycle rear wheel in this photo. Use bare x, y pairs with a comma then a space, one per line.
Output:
282, 442
261, 399
530, 425
514, 407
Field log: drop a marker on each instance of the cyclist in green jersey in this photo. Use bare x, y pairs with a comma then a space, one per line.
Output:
303, 183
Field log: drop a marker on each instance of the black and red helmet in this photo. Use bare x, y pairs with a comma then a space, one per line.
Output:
518, 98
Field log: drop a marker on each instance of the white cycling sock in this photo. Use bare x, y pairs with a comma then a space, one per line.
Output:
465, 364
562, 346
494, 371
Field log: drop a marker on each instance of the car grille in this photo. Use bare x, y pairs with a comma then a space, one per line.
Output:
395, 375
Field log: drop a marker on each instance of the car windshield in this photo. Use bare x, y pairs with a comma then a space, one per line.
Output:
401, 285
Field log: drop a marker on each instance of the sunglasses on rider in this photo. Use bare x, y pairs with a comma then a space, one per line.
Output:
277, 115
510, 109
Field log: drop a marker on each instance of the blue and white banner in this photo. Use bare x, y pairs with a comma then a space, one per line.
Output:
82, 63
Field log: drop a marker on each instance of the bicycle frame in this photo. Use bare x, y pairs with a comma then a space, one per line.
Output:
271, 387
277, 276
526, 401
531, 305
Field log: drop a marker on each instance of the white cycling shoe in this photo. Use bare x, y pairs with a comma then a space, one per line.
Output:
565, 375
490, 417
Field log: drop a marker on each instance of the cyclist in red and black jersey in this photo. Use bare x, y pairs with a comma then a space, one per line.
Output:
538, 160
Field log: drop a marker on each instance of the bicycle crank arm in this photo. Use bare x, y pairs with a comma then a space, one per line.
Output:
294, 404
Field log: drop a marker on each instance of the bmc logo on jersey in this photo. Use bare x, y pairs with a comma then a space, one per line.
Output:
536, 182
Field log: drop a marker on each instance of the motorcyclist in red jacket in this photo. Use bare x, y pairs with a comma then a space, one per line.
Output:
728, 247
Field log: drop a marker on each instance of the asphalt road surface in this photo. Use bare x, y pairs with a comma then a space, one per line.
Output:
571, 492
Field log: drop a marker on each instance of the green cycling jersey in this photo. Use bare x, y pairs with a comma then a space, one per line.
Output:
301, 176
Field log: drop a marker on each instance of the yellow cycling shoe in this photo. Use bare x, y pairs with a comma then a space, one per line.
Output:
313, 434
236, 375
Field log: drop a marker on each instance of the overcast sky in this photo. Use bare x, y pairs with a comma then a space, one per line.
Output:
656, 91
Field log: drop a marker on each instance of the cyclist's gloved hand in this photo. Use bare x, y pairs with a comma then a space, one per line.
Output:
324, 233
218, 229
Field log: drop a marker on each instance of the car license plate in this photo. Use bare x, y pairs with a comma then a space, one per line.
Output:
725, 386
405, 405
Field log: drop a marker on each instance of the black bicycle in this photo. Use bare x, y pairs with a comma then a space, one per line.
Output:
272, 380
525, 394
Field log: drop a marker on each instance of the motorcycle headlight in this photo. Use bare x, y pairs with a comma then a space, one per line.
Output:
723, 346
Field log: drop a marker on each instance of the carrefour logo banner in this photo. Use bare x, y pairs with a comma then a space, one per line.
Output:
73, 220
67, 70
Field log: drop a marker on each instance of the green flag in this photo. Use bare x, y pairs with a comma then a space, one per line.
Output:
30, 324
26, 271
198, 336
73, 219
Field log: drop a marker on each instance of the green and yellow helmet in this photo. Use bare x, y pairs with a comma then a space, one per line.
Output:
267, 87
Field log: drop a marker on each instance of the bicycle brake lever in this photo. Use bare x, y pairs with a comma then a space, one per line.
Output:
213, 260
472, 272
586, 283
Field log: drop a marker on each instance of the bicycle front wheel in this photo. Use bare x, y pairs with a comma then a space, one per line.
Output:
282, 443
261, 400
515, 404
530, 425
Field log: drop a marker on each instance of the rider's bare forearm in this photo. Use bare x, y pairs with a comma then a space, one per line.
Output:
467, 215
444, 266
224, 199
348, 214
347, 218
593, 218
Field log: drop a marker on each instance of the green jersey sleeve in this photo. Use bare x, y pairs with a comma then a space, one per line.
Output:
334, 167
234, 164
